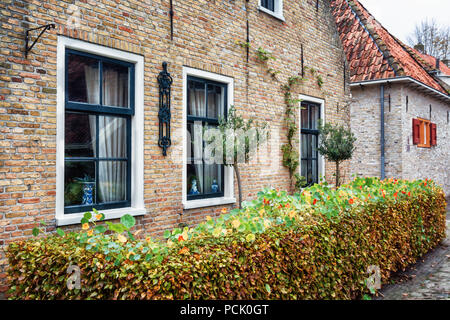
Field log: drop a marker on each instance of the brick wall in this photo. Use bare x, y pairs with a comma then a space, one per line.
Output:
205, 32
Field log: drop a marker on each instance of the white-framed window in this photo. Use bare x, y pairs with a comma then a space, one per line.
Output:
99, 131
272, 7
312, 164
206, 97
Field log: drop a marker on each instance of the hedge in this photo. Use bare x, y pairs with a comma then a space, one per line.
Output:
314, 245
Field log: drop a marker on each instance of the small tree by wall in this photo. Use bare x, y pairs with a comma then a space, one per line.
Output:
336, 144
235, 142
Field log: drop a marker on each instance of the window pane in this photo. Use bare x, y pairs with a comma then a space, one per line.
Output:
79, 135
216, 101
304, 146
304, 169
315, 115
196, 99
115, 85
189, 144
194, 179
305, 118
112, 177
79, 183
268, 4
195, 150
213, 178
309, 147
314, 177
112, 137
313, 146
310, 175
83, 79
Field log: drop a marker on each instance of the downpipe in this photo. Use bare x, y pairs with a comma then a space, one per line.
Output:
382, 138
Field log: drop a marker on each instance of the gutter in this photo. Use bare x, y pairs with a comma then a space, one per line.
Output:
401, 79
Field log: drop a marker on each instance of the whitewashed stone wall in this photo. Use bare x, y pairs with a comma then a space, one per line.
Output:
365, 124
434, 162
402, 158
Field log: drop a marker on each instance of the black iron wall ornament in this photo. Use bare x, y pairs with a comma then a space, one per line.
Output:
165, 83
303, 62
27, 36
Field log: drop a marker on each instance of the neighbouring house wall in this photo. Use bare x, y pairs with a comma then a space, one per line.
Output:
393, 130
205, 33
403, 160
420, 163
365, 124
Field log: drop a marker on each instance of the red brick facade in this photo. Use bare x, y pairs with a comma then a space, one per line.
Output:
204, 37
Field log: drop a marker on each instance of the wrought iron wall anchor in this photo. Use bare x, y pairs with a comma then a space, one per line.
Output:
171, 13
27, 36
165, 83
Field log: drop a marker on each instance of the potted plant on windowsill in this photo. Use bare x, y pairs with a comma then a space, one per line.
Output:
88, 187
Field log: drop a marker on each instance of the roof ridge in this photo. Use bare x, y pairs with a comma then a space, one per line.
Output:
415, 55
382, 46
424, 64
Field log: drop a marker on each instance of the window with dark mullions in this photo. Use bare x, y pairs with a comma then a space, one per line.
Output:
268, 4
310, 116
99, 105
206, 104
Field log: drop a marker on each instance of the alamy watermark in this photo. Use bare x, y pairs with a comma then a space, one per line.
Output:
373, 282
74, 281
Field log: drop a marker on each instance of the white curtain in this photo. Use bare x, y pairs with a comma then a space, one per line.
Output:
93, 96
112, 144
112, 134
215, 109
92, 85
198, 108
115, 88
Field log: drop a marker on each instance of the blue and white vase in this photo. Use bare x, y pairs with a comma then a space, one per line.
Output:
88, 188
214, 187
194, 190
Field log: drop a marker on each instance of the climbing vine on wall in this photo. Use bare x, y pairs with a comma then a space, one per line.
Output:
291, 155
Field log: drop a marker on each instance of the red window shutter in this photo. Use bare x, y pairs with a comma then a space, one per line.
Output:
416, 131
433, 134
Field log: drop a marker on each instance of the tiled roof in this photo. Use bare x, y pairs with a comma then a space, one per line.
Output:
372, 52
431, 62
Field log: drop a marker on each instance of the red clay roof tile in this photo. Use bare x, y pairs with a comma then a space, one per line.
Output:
373, 53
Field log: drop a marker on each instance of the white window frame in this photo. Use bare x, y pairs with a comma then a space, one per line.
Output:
278, 13
137, 124
228, 197
321, 161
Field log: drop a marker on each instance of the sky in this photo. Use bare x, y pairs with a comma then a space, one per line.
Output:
399, 17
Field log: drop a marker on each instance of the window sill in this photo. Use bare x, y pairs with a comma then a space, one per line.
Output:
194, 204
75, 218
272, 13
